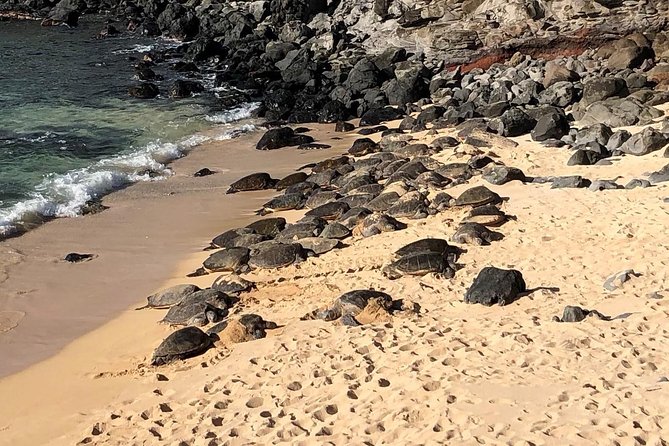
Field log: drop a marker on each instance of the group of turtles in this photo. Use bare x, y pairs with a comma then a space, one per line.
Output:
346, 196
192, 308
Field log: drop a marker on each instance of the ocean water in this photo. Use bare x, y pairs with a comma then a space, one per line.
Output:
69, 132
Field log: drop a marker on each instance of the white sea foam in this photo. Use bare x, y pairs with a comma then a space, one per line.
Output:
235, 114
64, 195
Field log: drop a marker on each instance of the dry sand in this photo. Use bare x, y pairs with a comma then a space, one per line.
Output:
451, 374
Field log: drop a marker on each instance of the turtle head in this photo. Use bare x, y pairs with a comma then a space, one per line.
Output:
214, 315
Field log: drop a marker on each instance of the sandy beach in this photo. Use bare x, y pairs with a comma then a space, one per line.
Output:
76, 368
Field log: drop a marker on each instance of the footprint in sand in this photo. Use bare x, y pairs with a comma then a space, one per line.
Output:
9, 320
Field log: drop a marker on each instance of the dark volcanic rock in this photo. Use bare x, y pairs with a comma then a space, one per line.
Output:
644, 142
282, 137
499, 175
379, 115
584, 158
550, 126
574, 181
495, 286
145, 90
184, 89
659, 176
514, 122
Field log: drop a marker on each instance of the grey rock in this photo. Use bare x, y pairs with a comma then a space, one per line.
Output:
496, 286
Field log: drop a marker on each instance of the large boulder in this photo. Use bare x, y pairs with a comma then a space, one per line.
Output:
184, 89
496, 286
298, 67
550, 126
514, 122
560, 94
378, 115
647, 141
558, 73
283, 11
661, 45
601, 88
616, 112
628, 54
145, 90
364, 75
178, 22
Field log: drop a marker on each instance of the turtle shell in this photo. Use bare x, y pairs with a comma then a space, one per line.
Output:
227, 239
297, 231
269, 227
383, 202
319, 245
335, 230
412, 204
477, 196
331, 163
230, 259
182, 344
329, 211
285, 202
290, 180
170, 296
254, 181
194, 308
487, 215
232, 284
353, 302
419, 264
436, 245
320, 198
277, 256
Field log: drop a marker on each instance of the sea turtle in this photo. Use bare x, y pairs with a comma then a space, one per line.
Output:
246, 240
383, 202
199, 308
356, 200
419, 264
319, 245
182, 344
477, 196
277, 255
487, 215
431, 180
366, 163
289, 180
232, 284
227, 239
411, 205
368, 189
335, 230
269, 227
255, 181
169, 297
363, 146
283, 203
331, 163
351, 304
386, 170
354, 216
358, 180
305, 188
297, 231
324, 178
455, 170
436, 245
229, 259
376, 224
253, 324
475, 234
321, 197
413, 169
441, 201
329, 211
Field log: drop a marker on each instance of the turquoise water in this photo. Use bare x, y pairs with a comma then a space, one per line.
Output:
69, 132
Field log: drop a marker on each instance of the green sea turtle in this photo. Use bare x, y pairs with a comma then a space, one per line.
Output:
229, 259
269, 227
376, 224
305, 188
354, 216
199, 308
169, 297
232, 284
227, 239
419, 264
383, 202
351, 304
441, 201
329, 211
182, 344
436, 245
321, 197
277, 255
356, 200
255, 181
298, 231
477, 196
475, 234
431, 180
335, 230
368, 189
319, 245
487, 215
283, 203
290, 180
411, 205
254, 325
331, 163
246, 240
